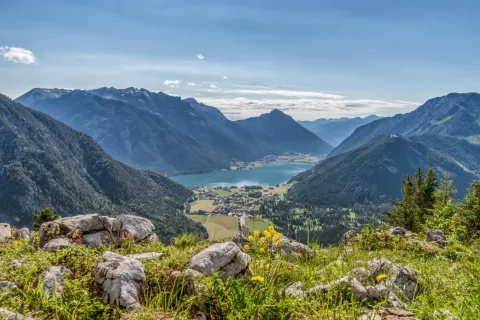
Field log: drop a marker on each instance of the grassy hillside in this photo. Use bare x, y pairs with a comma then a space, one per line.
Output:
218, 227
448, 280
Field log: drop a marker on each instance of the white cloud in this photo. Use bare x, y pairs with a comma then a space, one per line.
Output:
289, 93
172, 83
191, 84
306, 108
225, 78
200, 56
213, 86
17, 55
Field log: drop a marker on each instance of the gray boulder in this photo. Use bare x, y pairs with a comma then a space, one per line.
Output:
22, 233
437, 236
122, 278
398, 231
53, 281
295, 290
400, 280
10, 315
7, 285
294, 248
94, 230
349, 235
226, 258
240, 240
55, 245
146, 256
5, 231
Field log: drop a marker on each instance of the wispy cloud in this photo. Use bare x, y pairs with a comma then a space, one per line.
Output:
213, 86
172, 83
191, 84
17, 55
200, 56
288, 93
225, 78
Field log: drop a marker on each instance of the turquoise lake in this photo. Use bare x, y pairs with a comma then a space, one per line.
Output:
277, 173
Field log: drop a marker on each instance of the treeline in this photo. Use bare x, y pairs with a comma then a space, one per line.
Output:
429, 203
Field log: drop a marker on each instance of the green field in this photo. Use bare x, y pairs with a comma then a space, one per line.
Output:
205, 205
223, 193
218, 227
260, 224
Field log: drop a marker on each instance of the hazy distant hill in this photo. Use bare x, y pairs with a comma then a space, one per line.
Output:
334, 131
278, 130
372, 173
166, 134
45, 163
456, 114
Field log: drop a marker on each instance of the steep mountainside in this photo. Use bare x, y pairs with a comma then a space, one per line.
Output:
166, 134
373, 172
280, 132
334, 131
131, 135
456, 114
45, 163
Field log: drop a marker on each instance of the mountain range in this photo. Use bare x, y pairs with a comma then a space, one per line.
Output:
44, 163
334, 131
167, 134
368, 166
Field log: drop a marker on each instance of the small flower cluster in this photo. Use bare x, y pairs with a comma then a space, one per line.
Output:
264, 242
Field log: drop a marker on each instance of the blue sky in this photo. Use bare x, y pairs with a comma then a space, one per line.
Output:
310, 59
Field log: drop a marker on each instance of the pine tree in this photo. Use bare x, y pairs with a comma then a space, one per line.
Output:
470, 210
430, 185
405, 213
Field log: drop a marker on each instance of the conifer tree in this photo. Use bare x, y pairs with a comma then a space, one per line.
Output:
405, 213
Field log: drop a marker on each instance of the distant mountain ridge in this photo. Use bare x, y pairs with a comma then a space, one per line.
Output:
334, 131
181, 136
455, 115
372, 173
44, 163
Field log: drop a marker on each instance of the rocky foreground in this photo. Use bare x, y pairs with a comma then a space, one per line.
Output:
98, 267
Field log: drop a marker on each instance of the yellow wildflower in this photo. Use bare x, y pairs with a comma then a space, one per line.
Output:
262, 239
278, 243
261, 267
381, 277
250, 238
258, 278
267, 266
246, 247
256, 233
251, 265
267, 233
262, 250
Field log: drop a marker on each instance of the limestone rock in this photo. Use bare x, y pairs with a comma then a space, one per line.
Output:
396, 314
437, 236
295, 290
240, 240
55, 245
122, 278
5, 231
146, 256
22, 233
400, 280
7, 285
214, 257
295, 248
349, 235
398, 231
53, 281
94, 230
10, 315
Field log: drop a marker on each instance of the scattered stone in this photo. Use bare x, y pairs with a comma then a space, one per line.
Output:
436, 236
226, 258
16, 264
94, 230
431, 248
396, 314
349, 235
295, 290
398, 231
7, 285
400, 280
22, 233
121, 278
409, 234
240, 240
294, 248
200, 316
5, 231
53, 281
55, 245
146, 256
10, 315
444, 314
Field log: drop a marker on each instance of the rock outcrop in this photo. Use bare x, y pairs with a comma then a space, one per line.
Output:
22, 233
225, 258
57, 244
5, 231
94, 230
10, 315
294, 248
53, 281
437, 237
399, 281
122, 278
7, 285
